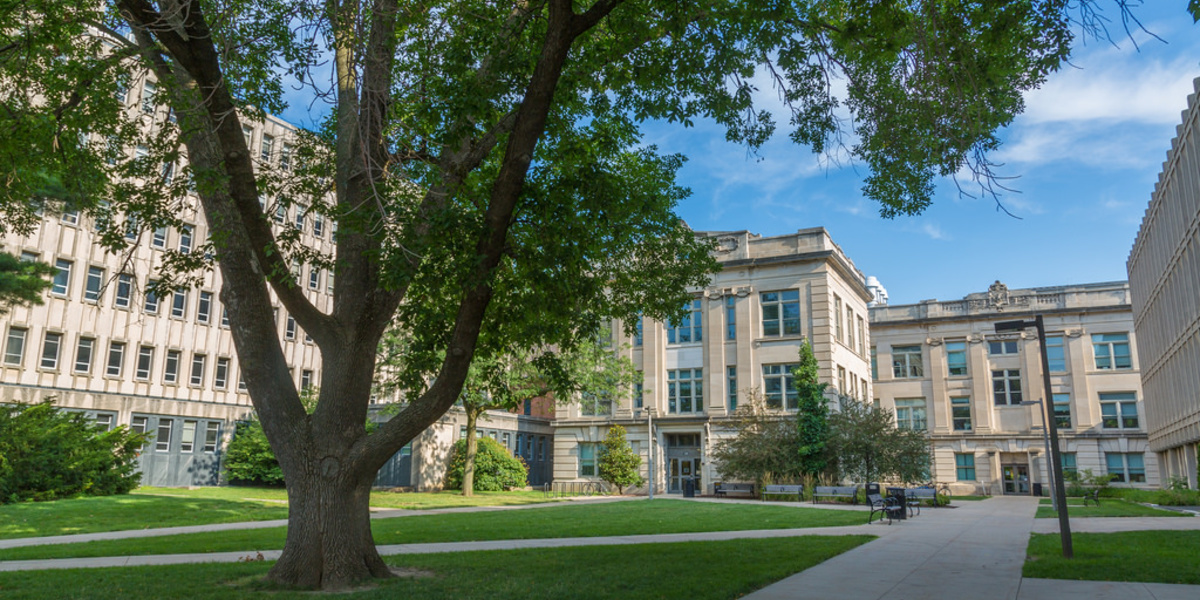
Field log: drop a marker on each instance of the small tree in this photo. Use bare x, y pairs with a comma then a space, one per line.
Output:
21, 281
249, 458
765, 446
866, 445
812, 420
619, 466
495, 469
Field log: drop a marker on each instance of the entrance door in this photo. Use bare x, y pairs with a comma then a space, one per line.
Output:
681, 469
1016, 479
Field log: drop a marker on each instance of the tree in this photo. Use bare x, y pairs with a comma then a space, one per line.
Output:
765, 447
495, 468
21, 281
249, 458
619, 465
484, 166
866, 445
812, 425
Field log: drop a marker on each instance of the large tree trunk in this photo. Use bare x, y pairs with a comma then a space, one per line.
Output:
468, 482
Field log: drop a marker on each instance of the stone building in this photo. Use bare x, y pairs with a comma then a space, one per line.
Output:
743, 331
1164, 276
941, 367
166, 365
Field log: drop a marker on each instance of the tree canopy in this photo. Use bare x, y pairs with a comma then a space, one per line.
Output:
483, 163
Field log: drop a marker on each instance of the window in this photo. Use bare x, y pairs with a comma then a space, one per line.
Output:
329, 282
212, 435
956, 358
151, 306
841, 381
1006, 387
95, 281
132, 227
779, 387
520, 443
159, 238
1062, 411
780, 313
964, 467
179, 304
731, 377
163, 439
289, 328
185, 239
50, 350
14, 347
83, 355
299, 223
906, 362
139, 425
116, 359
507, 437
637, 334
730, 317
1002, 347
148, 92
280, 212
1056, 354
247, 133
837, 319
204, 307
187, 440
318, 225
145, 362
285, 157
171, 369
241, 382
689, 329
587, 459
1112, 350
862, 337
639, 392
910, 413
267, 148
198, 361
1126, 468
62, 278
306, 379
685, 391
314, 278
1069, 466
874, 365
595, 406
1118, 410
103, 421
221, 375
124, 291
224, 318
960, 412
849, 327
70, 216
541, 447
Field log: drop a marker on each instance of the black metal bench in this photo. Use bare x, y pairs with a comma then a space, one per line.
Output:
833, 492
916, 495
889, 507
1092, 496
723, 489
783, 490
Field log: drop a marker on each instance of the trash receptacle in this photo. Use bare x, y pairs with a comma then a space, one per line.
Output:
689, 487
901, 499
1037, 489
872, 488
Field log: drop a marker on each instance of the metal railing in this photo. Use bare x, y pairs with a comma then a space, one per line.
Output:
563, 489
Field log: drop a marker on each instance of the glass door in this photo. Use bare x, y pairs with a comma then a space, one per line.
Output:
1016, 479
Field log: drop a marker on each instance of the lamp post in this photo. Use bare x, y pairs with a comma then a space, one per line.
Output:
1064, 523
650, 455
1046, 439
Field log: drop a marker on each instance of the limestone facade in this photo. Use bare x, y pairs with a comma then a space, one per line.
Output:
941, 367
743, 332
1164, 275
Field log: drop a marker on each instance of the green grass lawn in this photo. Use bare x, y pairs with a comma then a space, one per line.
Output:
134, 511
691, 571
1109, 507
1148, 556
379, 498
571, 520
954, 499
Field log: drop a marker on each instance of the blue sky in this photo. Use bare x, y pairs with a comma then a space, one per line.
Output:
1085, 155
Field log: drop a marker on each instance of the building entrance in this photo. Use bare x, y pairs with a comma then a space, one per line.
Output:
683, 460
1016, 479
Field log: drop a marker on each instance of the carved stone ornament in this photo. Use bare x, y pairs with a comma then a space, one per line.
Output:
725, 245
933, 341
975, 338
713, 293
998, 295
1074, 333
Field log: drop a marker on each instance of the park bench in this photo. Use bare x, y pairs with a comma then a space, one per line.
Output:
723, 489
783, 490
833, 492
1092, 496
889, 507
916, 495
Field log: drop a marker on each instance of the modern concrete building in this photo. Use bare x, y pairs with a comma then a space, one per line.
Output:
942, 368
1164, 276
166, 365
743, 331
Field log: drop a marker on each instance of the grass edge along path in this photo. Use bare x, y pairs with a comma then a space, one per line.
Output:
731, 569
569, 520
1143, 556
379, 498
1109, 507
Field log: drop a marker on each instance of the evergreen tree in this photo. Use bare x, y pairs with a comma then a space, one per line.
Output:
619, 465
812, 420
21, 281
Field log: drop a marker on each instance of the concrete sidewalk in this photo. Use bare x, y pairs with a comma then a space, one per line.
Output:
974, 552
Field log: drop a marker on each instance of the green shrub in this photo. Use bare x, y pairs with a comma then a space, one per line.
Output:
1168, 497
249, 459
495, 469
46, 454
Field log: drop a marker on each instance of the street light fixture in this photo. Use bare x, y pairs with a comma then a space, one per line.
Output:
650, 452
1064, 523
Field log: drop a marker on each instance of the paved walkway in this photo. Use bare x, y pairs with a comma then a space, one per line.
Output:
974, 551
